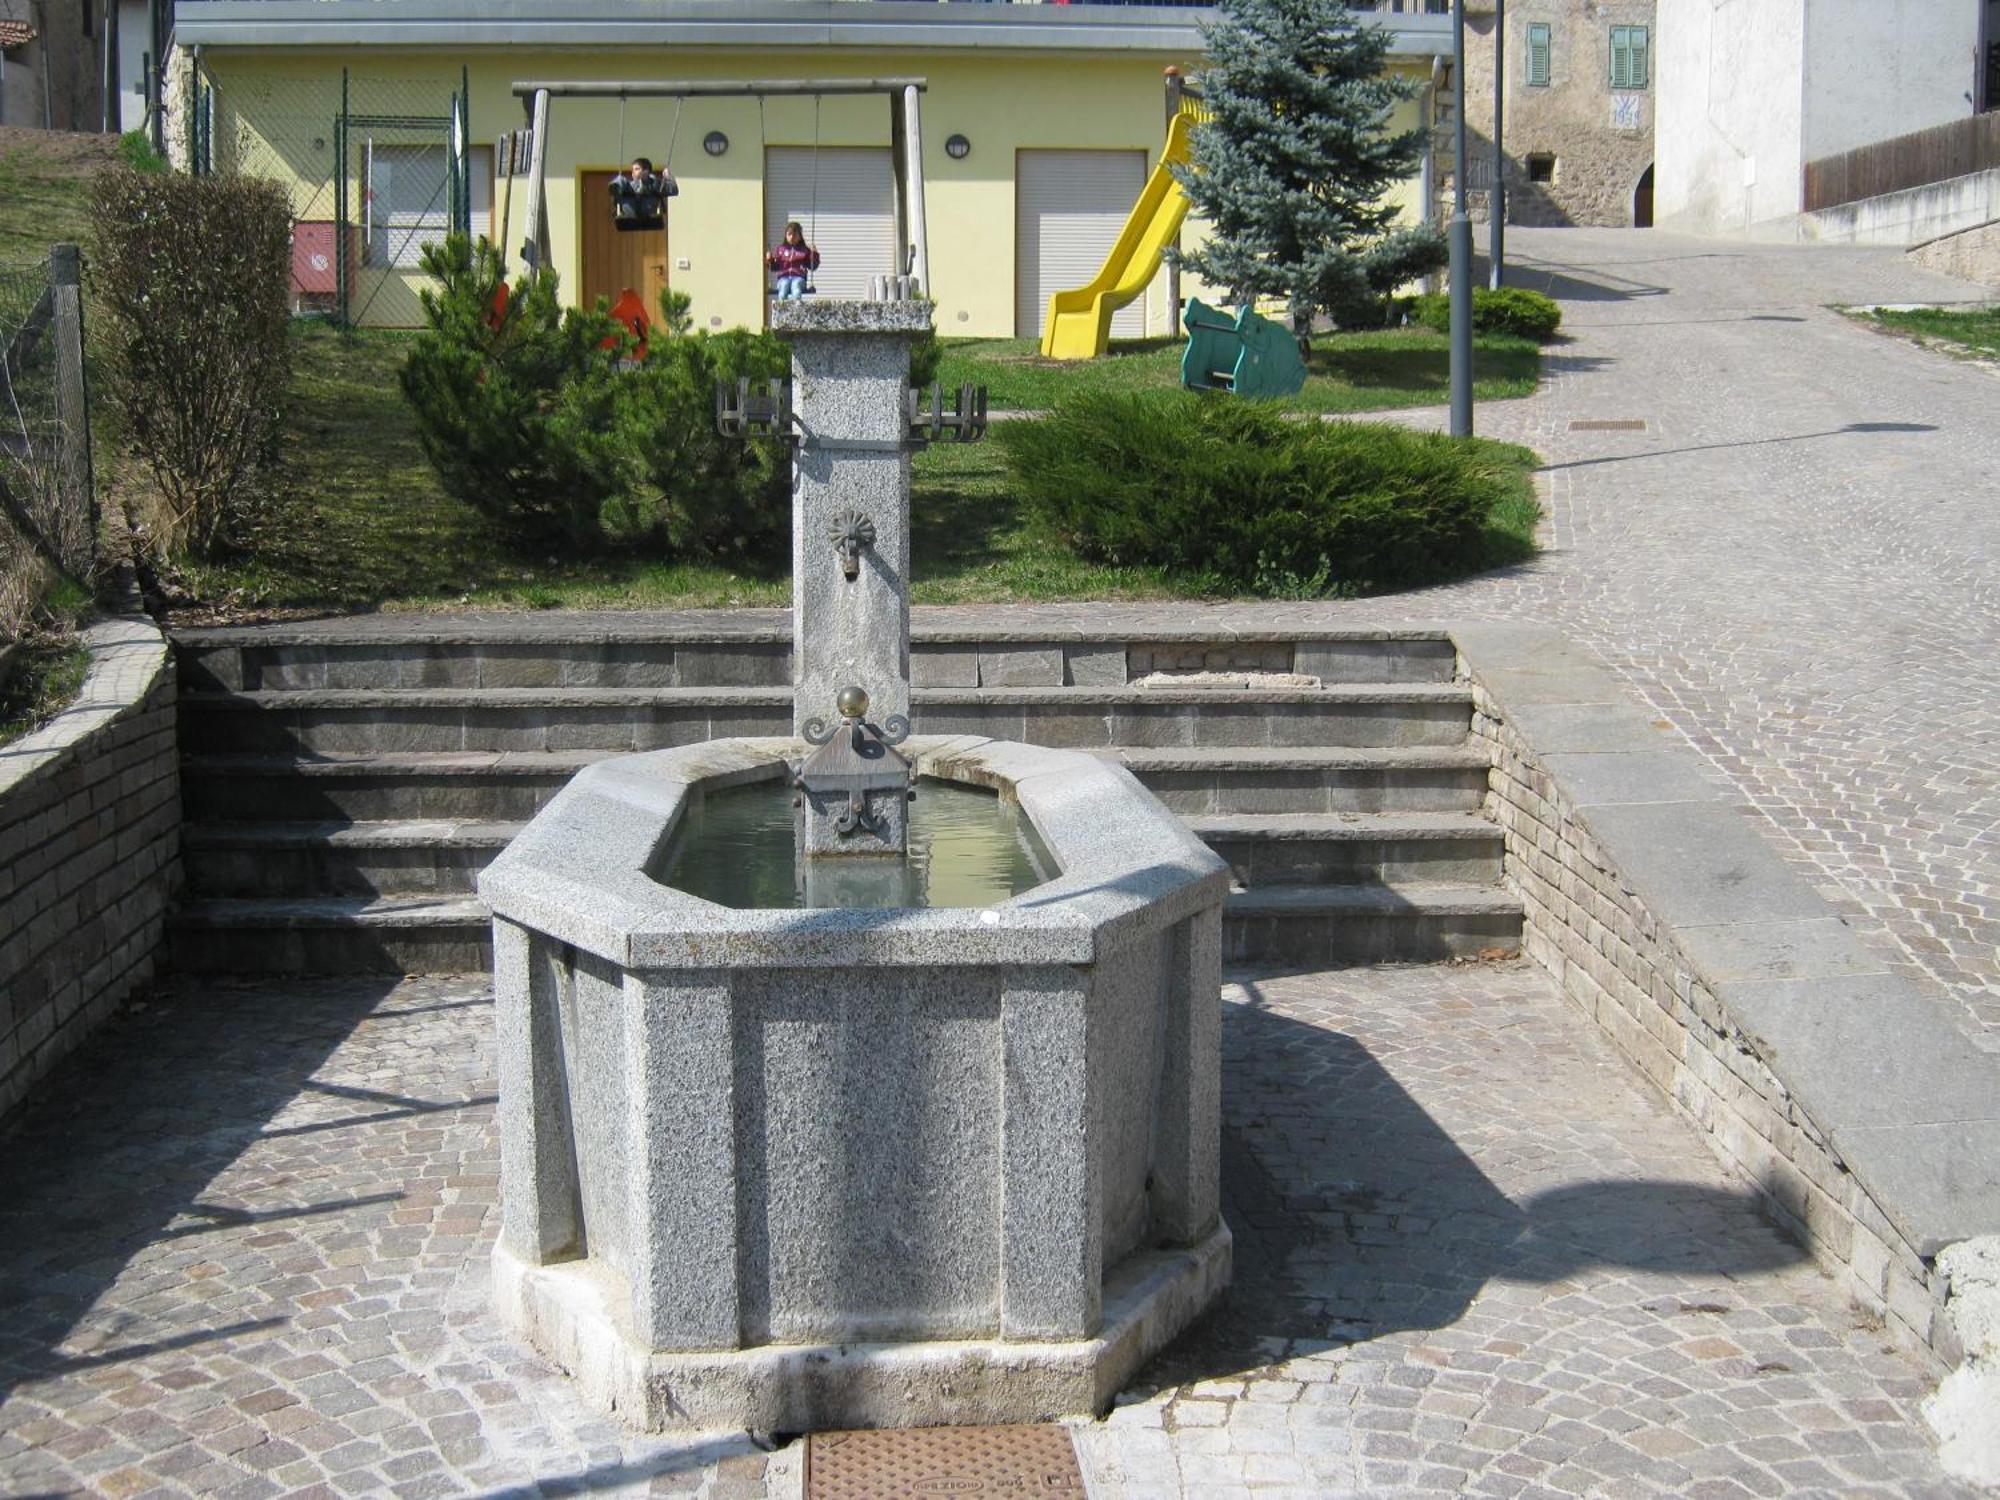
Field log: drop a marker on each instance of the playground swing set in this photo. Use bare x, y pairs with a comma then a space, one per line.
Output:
639, 194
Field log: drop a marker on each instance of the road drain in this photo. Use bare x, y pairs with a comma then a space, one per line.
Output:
922, 1462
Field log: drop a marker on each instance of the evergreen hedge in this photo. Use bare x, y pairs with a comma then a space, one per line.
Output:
1232, 495
1511, 309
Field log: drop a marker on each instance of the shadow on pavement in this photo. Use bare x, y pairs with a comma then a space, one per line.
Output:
1850, 430
1356, 1215
114, 1151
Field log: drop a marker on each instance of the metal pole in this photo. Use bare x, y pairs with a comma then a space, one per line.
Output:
72, 388
1461, 242
1173, 261
1496, 254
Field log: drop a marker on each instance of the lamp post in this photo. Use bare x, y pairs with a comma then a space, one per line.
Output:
1460, 242
1496, 254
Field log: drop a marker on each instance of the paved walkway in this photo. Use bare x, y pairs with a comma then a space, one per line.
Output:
243, 1243
1797, 562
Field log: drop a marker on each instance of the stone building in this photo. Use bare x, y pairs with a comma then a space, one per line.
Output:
52, 64
1578, 131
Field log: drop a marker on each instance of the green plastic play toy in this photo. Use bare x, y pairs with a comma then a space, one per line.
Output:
1247, 354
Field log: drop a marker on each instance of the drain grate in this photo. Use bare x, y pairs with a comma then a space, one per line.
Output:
921, 1462
1622, 424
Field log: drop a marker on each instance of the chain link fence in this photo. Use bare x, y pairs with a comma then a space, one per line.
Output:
48, 517
377, 168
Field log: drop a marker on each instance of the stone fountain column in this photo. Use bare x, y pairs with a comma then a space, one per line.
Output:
850, 378
851, 563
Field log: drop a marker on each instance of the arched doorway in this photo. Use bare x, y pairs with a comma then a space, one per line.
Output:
1642, 200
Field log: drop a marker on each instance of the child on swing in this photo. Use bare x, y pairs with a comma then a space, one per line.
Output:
791, 260
638, 198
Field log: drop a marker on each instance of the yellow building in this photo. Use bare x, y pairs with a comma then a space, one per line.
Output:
1039, 124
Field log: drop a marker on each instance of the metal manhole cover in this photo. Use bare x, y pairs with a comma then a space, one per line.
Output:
1619, 425
923, 1462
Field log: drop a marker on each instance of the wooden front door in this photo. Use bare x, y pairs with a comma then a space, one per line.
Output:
612, 260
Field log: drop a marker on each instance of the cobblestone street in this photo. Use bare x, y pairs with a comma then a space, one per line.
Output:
1794, 561
245, 1240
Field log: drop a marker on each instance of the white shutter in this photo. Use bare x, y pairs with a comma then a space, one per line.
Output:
1069, 209
854, 227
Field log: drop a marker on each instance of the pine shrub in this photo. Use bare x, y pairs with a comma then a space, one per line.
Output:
515, 413
1231, 495
195, 275
1511, 309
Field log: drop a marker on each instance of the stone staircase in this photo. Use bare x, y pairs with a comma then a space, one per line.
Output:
345, 781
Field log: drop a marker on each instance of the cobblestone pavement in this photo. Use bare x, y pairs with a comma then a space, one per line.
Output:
1795, 561
243, 1238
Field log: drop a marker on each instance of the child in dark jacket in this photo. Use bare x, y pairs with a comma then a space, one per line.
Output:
791, 260
638, 196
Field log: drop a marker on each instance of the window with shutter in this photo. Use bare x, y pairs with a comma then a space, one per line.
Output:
1629, 61
1538, 54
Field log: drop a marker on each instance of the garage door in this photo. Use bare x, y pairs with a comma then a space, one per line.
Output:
1069, 207
851, 216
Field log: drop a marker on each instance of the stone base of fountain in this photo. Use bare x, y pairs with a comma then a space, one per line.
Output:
572, 1314
794, 1168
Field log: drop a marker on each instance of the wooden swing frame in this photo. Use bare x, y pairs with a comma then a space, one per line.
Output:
905, 140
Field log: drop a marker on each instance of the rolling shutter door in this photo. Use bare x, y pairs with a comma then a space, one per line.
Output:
1069, 208
855, 227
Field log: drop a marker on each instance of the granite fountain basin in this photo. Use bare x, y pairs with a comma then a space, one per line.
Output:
790, 1169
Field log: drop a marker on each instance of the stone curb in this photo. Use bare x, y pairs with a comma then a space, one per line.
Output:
1854, 1100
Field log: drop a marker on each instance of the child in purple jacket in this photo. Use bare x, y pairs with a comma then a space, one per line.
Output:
791, 260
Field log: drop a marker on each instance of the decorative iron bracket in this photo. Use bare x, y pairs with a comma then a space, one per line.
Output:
739, 414
854, 758
964, 423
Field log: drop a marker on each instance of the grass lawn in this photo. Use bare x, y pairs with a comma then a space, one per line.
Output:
1349, 372
41, 680
1959, 330
355, 519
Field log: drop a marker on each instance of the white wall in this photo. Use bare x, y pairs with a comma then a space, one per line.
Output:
1882, 68
134, 42
1728, 123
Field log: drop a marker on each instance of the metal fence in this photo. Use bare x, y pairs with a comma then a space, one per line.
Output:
48, 513
376, 169
1906, 161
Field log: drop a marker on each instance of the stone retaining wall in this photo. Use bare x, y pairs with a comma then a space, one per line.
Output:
1730, 983
89, 853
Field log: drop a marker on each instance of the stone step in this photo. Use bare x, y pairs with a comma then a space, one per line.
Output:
1313, 849
1322, 926
352, 721
1312, 779
441, 856
332, 935
753, 649
1315, 926
409, 858
514, 785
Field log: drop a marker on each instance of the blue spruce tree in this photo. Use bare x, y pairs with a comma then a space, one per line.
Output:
1291, 169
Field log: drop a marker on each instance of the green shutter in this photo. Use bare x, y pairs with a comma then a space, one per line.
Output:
1538, 54
1629, 60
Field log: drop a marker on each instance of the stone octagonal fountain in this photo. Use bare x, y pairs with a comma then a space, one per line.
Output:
811, 1164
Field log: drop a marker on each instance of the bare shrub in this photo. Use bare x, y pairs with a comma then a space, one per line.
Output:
193, 272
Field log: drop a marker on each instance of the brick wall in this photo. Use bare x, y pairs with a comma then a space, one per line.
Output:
1622, 967
89, 853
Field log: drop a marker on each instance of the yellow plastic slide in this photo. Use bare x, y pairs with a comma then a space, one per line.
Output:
1080, 321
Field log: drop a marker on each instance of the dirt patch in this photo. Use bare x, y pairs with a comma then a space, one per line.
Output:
86, 151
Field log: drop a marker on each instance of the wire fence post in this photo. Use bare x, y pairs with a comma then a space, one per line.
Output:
72, 389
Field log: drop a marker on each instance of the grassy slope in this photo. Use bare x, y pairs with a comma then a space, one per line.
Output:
355, 518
